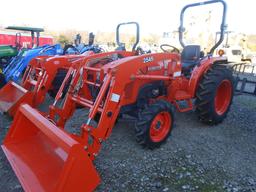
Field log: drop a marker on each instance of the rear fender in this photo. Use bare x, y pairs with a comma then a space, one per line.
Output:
199, 72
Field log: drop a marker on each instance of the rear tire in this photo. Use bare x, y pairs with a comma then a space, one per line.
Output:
214, 95
154, 124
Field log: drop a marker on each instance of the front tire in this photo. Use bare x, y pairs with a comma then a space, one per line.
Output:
214, 95
154, 124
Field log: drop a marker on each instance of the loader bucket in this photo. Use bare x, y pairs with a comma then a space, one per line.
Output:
45, 157
11, 96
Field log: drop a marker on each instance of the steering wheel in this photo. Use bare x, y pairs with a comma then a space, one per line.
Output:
69, 46
164, 47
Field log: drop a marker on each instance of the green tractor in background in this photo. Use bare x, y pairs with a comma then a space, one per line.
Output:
7, 51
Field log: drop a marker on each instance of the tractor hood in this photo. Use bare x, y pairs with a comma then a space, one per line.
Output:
43, 50
19, 64
7, 51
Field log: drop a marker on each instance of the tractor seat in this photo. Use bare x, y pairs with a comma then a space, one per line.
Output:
190, 56
121, 47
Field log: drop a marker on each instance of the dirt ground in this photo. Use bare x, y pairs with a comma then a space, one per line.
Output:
196, 157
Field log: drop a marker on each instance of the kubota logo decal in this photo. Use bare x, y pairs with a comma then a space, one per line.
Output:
154, 68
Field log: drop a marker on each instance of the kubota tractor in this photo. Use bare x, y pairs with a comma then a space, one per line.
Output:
45, 74
46, 157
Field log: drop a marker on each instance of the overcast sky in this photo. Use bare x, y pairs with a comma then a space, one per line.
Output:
154, 16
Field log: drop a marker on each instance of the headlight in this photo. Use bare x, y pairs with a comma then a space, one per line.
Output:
221, 52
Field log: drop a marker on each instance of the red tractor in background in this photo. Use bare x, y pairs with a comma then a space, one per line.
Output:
147, 87
45, 74
24, 39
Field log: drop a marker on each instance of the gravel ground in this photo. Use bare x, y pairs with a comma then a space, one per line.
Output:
195, 158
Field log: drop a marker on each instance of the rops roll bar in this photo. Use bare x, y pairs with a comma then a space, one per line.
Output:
223, 25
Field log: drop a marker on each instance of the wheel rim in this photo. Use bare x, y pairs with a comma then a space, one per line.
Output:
223, 97
160, 126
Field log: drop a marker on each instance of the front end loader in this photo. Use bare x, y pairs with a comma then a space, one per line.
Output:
47, 157
38, 80
45, 74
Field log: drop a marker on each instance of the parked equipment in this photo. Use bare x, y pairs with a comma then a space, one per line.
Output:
39, 78
244, 70
45, 75
233, 52
82, 48
6, 53
245, 78
17, 65
20, 43
144, 86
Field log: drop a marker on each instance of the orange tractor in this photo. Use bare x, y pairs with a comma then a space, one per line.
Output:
45, 74
47, 157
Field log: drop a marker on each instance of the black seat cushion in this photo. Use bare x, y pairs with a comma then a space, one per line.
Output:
190, 56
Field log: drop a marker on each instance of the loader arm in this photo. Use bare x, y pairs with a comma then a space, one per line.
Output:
36, 82
112, 81
76, 89
35, 140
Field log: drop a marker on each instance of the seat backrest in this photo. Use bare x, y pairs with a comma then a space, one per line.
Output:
190, 53
121, 47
